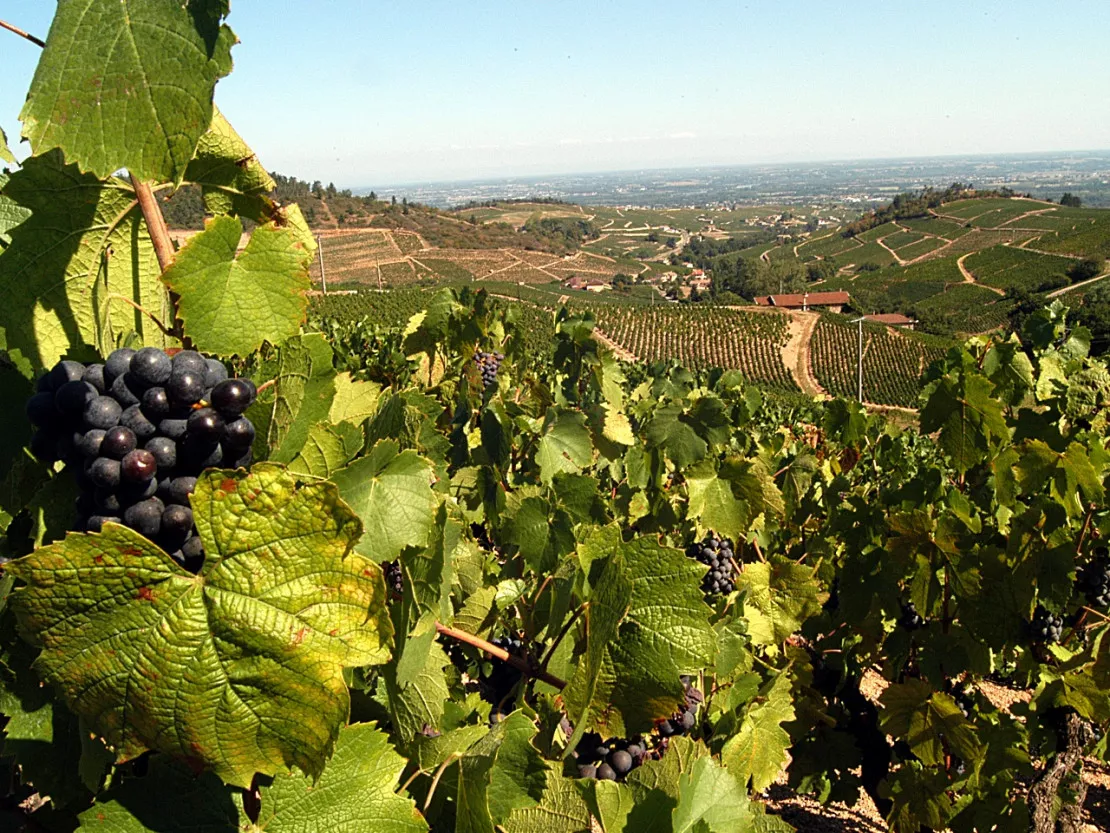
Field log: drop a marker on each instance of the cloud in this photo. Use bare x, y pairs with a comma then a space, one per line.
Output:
685, 134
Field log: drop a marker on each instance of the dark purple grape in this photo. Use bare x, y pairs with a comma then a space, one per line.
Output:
177, 518
196, 455
94, 375
621, 762
121, 391
687, 720
150, 366
666, 728
155, 403
65, 371
587, 771
232, 396
606, 773
89, 444
173, 429
189, 360
117, 364
186, 388
102, 412
118, 441
134, 492
133, 418
165, 452
72, 397
42, 385
40, 410
192, 552
239, 433
104, 472
206, 424
243, 462
215, 372
138, 466
145, 517
107, 501
180, 488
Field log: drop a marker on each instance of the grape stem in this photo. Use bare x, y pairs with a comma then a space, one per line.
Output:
562, 633
516, 662
439, 774
17, 31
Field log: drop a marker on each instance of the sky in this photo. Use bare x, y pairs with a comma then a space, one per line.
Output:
372, 94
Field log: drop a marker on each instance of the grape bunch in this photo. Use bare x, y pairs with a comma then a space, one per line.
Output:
488, 365
686, 718
1045, 627
1094, 579
136, 431
963, 694
498, 685
609, 760
394, 579
716, 553
910, 619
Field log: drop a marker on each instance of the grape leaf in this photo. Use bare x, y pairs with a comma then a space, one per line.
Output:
229, 304
355, 401
421, 702
759, 750
301, 396
711, 799
128, 84
327, 449
11, 214
969, 420
647, 623
255, 645
391, 491
780, 596
71, 267
5, 151
356, 793
565, 444
670, 430
501, 773
231, 178
560, 810
136, 805
930, 722
728, 501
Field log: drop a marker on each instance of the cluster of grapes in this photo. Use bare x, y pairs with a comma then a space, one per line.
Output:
963, 694
488, 365
137, 430
1094, 579
612, 759
498, 685
394, 579
716, 553
686, 718
1045, 627
910, 619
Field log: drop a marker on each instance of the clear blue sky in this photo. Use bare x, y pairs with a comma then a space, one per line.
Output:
379, 93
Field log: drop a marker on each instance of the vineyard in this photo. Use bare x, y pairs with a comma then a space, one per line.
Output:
750, 342
268, 570
892, 362
1012, 268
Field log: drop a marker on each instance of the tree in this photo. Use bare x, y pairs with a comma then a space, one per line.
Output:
1070, 200
1084, 270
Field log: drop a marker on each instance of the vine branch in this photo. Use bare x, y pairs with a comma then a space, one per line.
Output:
17, 31
518, 663
155, 222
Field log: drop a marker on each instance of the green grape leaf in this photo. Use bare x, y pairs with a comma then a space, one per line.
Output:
759, 750
356, 793
328, 449
608, 802
1071, 477
781, 595
73, 266
129, 84
391, 490
301, 395
355, 401
565, 444
500, 774
930, 722
711, 799
670, 430
11, 213
647, 623
728, 501
921, 798
255, 644
231, 178
1010, 369
542, 534
560, 810
5, 151
137, 805
419, 704
430, 752
969, 419
230, 303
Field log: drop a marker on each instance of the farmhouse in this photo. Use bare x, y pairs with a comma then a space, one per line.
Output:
588, 284
835, 301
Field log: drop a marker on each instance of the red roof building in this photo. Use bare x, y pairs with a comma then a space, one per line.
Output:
833, 300
892, 319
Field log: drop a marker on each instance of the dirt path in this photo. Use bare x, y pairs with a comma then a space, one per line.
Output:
618, 351
970, 278
893, 253
796, 352
1060, 292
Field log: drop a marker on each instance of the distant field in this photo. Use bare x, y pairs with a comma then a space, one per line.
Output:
937, 226
901, 239
966, 308
832, 245
922, 247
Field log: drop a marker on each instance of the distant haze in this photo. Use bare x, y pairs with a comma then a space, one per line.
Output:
364, 93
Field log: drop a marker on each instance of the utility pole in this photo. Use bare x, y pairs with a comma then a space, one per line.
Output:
859, 360
320, 252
